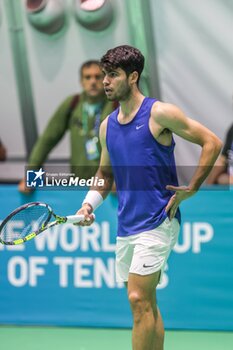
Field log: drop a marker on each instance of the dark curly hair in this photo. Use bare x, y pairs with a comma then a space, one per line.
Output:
125, 57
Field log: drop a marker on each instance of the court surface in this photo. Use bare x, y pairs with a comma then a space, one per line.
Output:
51, 338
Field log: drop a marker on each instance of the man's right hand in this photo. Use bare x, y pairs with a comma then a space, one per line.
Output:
23, 188
86, 210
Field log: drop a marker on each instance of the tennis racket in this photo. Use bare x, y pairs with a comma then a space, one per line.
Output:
29, 220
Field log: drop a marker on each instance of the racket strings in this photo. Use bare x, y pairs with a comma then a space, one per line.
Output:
24, 222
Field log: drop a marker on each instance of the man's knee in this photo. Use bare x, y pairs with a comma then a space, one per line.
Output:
139, 305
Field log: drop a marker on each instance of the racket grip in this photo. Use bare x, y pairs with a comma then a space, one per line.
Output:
71, 219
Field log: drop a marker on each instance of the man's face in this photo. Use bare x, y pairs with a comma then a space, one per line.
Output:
92, 81
116, 84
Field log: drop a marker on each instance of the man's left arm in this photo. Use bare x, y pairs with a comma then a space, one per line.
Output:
170, 117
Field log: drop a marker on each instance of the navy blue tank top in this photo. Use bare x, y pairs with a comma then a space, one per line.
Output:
142, 168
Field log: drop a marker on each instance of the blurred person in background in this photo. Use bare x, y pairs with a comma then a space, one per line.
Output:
82, 115
2, 152
222, 173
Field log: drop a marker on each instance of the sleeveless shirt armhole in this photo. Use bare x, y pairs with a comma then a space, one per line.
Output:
111, 118
164, 147
107, 132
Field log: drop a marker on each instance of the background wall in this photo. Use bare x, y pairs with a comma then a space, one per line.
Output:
195, 55
11, 127
193, 59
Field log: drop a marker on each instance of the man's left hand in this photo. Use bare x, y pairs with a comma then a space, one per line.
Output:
181, 193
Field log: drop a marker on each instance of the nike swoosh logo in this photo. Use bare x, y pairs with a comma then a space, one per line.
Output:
144, 265
139, 126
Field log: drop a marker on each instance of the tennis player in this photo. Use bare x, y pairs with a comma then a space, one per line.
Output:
138, 152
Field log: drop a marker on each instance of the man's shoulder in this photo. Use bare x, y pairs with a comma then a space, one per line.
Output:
164, 109
70, 100
104, 123
158, 108
103, 130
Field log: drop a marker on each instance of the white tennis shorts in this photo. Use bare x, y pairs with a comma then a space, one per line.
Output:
146, 252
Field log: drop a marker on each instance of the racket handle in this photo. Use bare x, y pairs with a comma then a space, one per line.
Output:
71, 219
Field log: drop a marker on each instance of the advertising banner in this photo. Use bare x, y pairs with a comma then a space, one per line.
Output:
66, 275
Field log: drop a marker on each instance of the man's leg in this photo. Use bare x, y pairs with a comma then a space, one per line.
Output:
148, 330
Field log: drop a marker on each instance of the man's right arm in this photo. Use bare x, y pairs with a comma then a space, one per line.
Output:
52, 134
97, 194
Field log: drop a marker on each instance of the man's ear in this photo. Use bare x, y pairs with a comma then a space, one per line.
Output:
133, 77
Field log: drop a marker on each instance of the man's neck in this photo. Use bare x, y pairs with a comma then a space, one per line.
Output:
129, 106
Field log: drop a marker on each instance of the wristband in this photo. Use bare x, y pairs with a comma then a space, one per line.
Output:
93, 198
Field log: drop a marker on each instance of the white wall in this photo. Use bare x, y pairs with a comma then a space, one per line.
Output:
11, 132
194, 41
